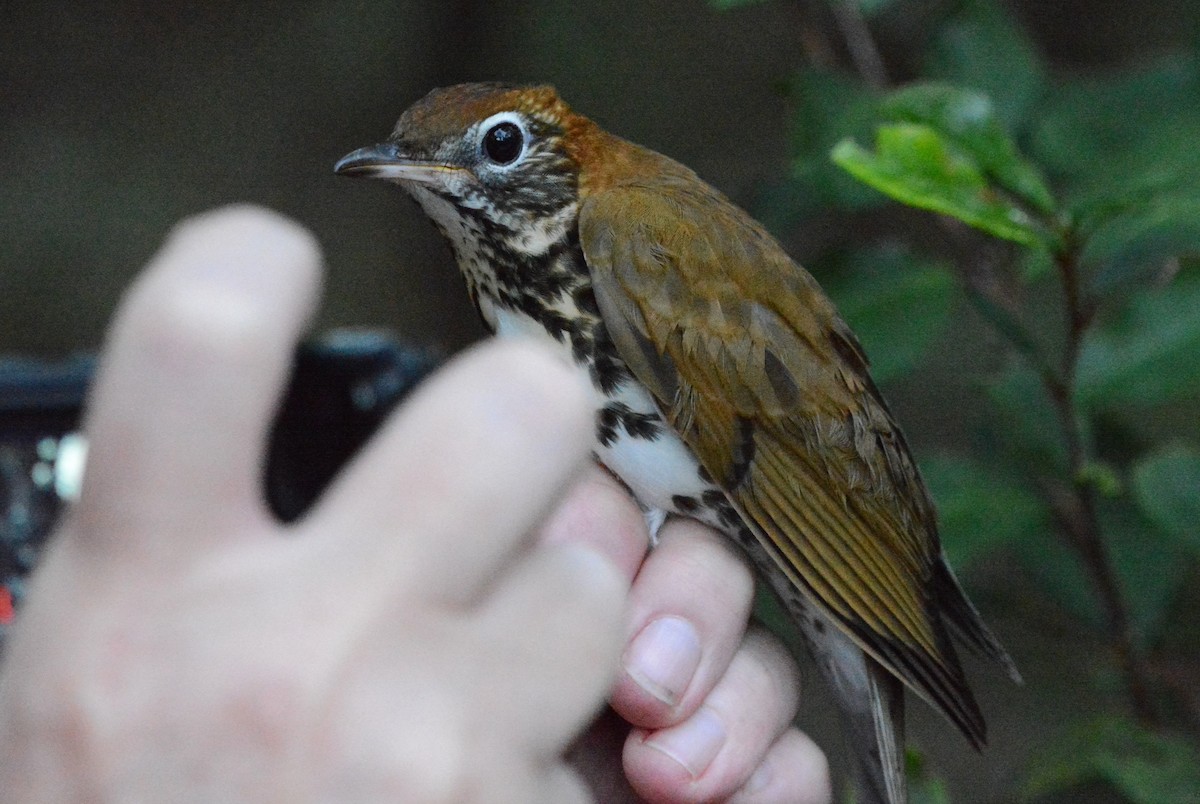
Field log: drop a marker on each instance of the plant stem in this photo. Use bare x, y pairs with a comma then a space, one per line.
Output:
1081, 520
863, 51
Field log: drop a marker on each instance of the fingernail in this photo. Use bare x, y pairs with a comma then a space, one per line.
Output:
694, 743
663, 658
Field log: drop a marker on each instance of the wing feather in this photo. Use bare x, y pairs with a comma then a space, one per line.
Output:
731, 336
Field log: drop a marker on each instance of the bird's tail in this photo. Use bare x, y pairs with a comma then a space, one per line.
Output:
871, 701
966, 622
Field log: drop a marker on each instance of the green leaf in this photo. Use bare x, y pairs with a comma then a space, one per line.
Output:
1061, 577
827, 108
1024, 422
924, 786
1144, 766
1150, 567
1035, 264
968, 119
1147, 354
1122, 139
1007, 322
980, 509
916, 166
981, 47
896, 304
1166, 487
1139, 240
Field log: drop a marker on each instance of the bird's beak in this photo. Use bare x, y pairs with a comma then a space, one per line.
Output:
385, 161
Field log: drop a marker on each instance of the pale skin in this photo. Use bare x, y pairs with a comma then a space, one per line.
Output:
443, 626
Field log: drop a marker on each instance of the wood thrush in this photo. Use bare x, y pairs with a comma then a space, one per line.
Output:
727, 387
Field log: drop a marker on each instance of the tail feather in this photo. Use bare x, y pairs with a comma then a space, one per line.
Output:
871, 701
966, 622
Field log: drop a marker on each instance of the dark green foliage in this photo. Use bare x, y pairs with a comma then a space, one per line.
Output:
981, 48
981, 508
1166, 487
828, 107
1147, 767
1083, 197
1147, 351
896, 303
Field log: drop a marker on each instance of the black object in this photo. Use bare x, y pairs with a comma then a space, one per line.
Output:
343, 386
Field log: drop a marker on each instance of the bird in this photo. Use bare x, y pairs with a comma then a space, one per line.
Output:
726, 386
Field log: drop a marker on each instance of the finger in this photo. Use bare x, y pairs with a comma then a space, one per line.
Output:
509, 779
713, 753
552, 632
194, 364
795, 771
445, 491
561, 785
598, 512
689, 607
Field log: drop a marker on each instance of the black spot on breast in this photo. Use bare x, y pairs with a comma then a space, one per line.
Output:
685, 504
606, 426
585, 299
637, 425
582, 346
716, 500
608, 370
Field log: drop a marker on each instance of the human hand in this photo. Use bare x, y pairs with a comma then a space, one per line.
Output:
403, 642
710, 701
406, 641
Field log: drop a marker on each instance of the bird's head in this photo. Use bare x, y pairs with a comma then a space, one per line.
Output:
498, 154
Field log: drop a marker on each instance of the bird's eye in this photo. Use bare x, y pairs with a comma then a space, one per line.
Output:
503, 143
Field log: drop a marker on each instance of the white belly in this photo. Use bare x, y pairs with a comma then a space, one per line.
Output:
657, 469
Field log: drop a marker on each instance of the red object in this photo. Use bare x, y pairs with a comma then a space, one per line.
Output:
7, 613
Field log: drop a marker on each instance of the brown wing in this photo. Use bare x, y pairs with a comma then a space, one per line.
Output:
753, 367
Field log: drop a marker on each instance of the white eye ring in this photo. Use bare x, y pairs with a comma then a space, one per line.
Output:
500, 159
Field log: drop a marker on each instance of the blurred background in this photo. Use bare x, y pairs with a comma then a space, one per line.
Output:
1046, 378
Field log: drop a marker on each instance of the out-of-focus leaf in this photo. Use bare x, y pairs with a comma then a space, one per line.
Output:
896, 304
980, 509
1139, 240
828, 107
1146, 767
924, 786
1122, 140
1101, 476
1036, 264
981, 47
1025, 423
872, 7
1166, 487
1147, 355
1150, 566
913, 164
968, 119
1057, 572
1008, 323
